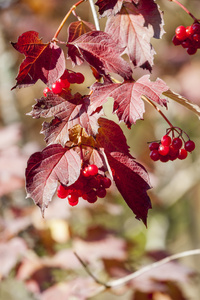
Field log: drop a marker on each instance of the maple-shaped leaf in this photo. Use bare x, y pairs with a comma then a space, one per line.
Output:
111, 137
75, 30
132, 181
133, 27
46, 168
43, 61
108, 7
102, 52
127, 97
67, 112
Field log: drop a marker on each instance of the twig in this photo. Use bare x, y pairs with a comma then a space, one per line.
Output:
136, 274
94, 13
185, 9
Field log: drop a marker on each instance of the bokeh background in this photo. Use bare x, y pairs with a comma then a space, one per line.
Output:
37, 260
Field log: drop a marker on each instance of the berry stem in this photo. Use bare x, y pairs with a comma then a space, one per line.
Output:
65, 19
144, 98
185, 9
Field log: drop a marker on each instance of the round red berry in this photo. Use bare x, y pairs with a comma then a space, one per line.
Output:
164, 158
181, 33
79, 78
106, 182
56, 87
73, 199
101, 192
45, 91
182, 153
166, 140
154, 155
196, 27
62, 191
153, 146
175, 41
189, 146
163, 150
71, 77
191, 50
177, 143
92, 170
189, 31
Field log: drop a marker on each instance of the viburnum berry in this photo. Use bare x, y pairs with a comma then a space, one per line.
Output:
181, 33
62, 191
163, 150
90, 170
191, 50
166, 140
73, 199
182, 153
45, 91
177, 143
189, 31
79, 78
106, 182
64, 83
164, 158
56, 87
175, 41
154, 155
189, 146
153, 146
101, 192
71, 77
195, 27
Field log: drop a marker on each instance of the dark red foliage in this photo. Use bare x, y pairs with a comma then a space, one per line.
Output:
43, 61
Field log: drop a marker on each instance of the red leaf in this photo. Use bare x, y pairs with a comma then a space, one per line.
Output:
75, 30
127, 97
140, 23
132, 181
43, 61
66, 115
108, 7
46, 168
103, 53
111, 137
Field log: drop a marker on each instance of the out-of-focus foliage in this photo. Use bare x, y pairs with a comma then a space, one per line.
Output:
37, 260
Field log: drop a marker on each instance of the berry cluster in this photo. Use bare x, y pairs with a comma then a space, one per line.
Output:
90, 185
171, 148
188, 37
64, 82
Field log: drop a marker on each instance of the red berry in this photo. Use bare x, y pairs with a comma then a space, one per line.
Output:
101, 192
64, 83
106, 182
56, 87
163, 150
72, 77
196, 37
153, 146
189, 146
94, 182
154, 155
191, 50
92, 170
181, 33
175, 41
73, 199
45, 91
65, 75
79, 78
182, 153
189, 31
62, 191
91, 196
196, 27
173, 153
164, 158
166, 140
177, 143
187, 43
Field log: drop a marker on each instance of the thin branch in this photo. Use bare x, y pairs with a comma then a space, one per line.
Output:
94, 13
124, 280
185, 9
144, 98
152, 266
